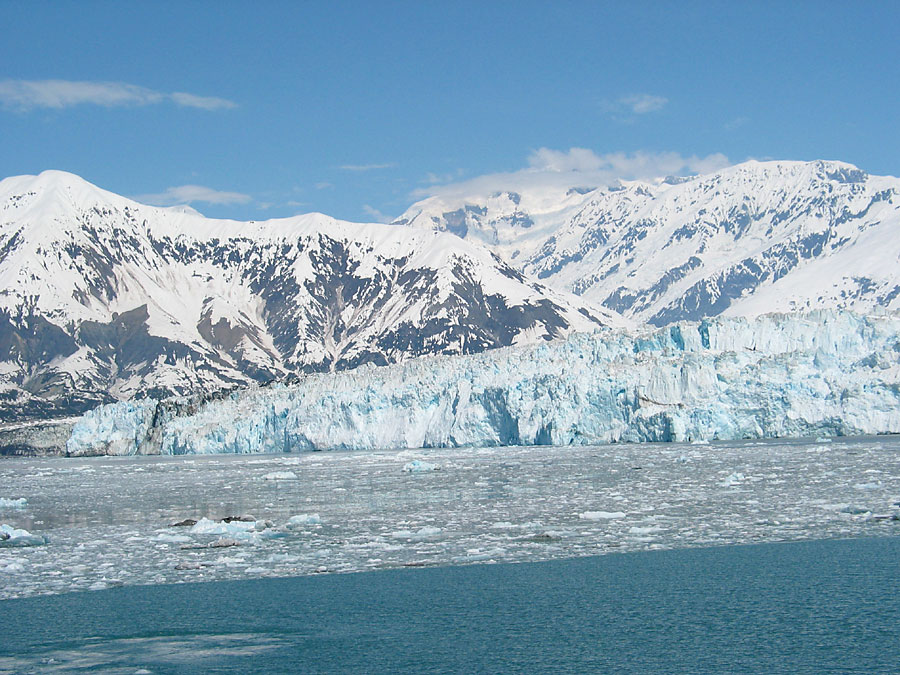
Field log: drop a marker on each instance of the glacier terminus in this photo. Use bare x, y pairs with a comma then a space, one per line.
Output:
824, 373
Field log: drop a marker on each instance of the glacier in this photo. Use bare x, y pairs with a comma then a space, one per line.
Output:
822, 373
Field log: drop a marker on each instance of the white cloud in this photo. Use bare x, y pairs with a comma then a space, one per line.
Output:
188, 194
736, 123
366, 167
579, 167
641, 104
638, 165
204, 102
377, 215
435, 179
626, 108
28, 94
323, 185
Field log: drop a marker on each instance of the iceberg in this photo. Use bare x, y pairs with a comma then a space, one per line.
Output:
303, 519
280, 475
13, 537
418, 466
826, 373
19, 504
601, 515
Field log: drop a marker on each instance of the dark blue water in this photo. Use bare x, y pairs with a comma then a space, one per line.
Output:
812, 607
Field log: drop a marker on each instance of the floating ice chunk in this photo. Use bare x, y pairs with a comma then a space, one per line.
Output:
476, 555
867, 486
644, 530
503, 525
12, 537
281, 558
420, 534
601, 515
281, 475
418, 466
734, 479
18, 504
303, 519
188, 565
172, 538
234, 528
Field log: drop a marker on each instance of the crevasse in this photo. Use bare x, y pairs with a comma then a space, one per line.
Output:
827, 372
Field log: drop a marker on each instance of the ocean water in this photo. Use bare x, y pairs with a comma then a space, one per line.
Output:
806, 607
108, 520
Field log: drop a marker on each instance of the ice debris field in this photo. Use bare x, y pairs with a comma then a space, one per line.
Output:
827, 372
92, 523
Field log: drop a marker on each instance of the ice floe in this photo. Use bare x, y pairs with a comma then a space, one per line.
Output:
419, 466
601, 515
14, 537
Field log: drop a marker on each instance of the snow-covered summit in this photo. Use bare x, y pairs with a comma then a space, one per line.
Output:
752, 238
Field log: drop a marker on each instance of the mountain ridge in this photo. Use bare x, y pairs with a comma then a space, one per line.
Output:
104, 298
742, 240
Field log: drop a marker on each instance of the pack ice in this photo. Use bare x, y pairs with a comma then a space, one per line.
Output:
820, 373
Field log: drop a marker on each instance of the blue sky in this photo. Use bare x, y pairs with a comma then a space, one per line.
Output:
355, 109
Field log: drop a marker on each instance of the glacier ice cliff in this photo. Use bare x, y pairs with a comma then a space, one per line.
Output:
827, 372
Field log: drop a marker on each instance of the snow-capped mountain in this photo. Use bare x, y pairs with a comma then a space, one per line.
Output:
102, 298
753, 238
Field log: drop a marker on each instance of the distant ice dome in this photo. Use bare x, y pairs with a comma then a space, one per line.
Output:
827, 373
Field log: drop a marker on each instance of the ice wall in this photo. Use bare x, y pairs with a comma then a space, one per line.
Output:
829, 372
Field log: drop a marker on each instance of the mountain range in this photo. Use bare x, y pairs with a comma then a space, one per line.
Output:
753, 238
103, 298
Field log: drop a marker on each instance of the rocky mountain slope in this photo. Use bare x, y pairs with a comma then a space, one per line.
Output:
102, 298
753, 238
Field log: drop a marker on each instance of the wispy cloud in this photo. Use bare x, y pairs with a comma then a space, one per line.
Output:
204, 102
641, 104
26, 95
736, 123
579, 167
436, 179
377, 215
637, 165
628, 107
323, 185
366, 167
188, 194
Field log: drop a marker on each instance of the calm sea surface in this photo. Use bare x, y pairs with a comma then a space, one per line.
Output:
803, 607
